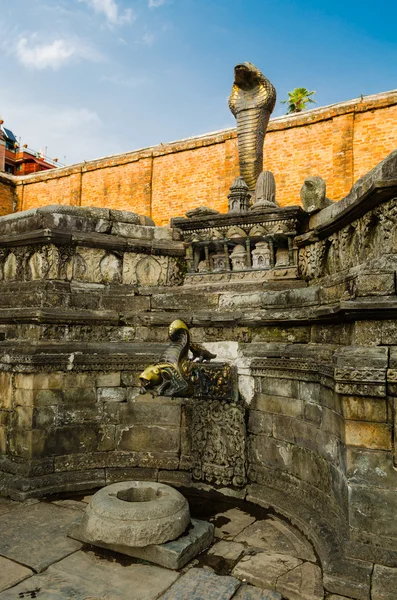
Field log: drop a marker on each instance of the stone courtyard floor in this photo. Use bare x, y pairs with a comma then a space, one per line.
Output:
255, 556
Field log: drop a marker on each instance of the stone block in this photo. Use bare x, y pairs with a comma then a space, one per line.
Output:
260, 422
87, 575
106, 438
274, 535
171, 555
140, 438
264, 570
275, 454
373, 510
5, 391
303, 582
200, 583
384, 583
288, 388
155, 413
80, 396
108, 379
359, 408
291, 407
35, 535
311, 468
376, 436
313, 413
12, 573
77, 439
112, 394
250, 592
375, 284
231, 522
3, 442
333, 423
230, 551
42, 398
372, 468
175, 478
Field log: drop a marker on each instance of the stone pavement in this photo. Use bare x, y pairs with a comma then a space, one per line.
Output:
255, 556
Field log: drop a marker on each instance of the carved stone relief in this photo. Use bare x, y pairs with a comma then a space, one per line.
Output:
218, 439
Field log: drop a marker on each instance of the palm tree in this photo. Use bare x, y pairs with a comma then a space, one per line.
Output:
297, 100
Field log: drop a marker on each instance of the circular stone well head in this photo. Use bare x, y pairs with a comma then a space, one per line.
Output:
135, 514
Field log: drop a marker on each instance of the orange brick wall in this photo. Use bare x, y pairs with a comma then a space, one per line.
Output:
339, 142
7, 195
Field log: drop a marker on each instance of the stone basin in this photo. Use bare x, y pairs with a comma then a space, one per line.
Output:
135, 513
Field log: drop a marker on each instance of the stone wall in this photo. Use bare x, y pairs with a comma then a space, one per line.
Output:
87, 298
340, 143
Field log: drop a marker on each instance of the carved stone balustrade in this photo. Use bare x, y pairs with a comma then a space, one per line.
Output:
247, 246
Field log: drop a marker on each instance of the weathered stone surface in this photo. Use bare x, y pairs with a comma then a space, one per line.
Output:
35, 535
11, 573
302, 583
84, 575
249, 592
135, 513
264, 570
6, 505
384, 583
313, 194
233, 522
274, 535
376, 436
228, 550
171, 555
199, 583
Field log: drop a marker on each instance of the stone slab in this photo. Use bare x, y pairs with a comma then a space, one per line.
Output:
198, 584
231, 522
6, 505
302, 583
384, 583
11, 573
274, 535
36, 535
171, 555
228, 550
83, 576
264, 570
250, 592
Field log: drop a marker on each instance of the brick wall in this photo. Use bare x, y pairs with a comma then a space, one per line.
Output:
7, 194
339, 142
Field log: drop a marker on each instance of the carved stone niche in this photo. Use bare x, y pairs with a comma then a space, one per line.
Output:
239, 258
219, 262
239, 197
282, 259
261, 256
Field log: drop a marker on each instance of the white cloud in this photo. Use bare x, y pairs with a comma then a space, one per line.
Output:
52, 55
77, 132
148, 39
156, 3
110, 9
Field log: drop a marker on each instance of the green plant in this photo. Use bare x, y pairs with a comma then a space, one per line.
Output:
298, 99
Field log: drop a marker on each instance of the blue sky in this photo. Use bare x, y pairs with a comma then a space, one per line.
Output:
89, 78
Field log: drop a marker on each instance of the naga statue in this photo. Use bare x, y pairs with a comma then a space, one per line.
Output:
251, 101
176, 374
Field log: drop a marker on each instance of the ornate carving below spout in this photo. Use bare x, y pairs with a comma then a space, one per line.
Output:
178, 374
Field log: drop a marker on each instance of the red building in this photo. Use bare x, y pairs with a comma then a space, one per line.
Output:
21, 161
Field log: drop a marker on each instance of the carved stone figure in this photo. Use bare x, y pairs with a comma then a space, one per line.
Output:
265, 191
239, 197
313, 194
261, 256
173, 376
252, 102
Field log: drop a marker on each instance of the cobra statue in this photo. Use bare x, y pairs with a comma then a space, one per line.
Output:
173, 375
251, 101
